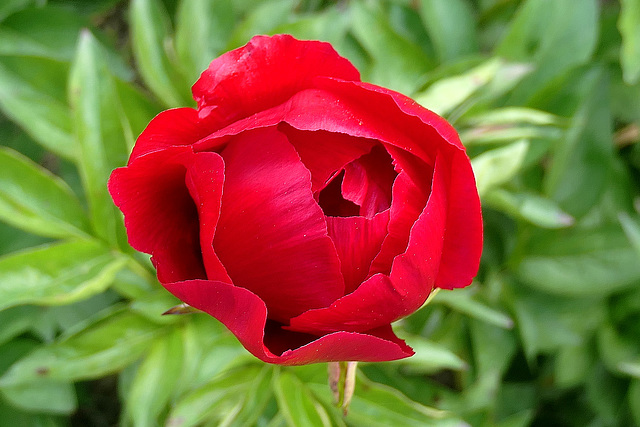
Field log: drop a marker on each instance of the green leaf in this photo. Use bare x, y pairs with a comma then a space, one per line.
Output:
203, 28
11, 6
631, 229
45, 118
462, 300
580, 262
634, 400
514, 115
48, 32
261, 19
629, 26
42, 396
397, 62
555, 34
430, 357
100, 140
216, 399
581, 163
150, 36
161, 368
103, 348
530, 207
35, 200
451, 27
497, 166
57, 274
15, 321
377, 405
297, 403
446, 94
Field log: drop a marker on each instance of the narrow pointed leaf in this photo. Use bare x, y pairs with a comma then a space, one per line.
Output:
35, 200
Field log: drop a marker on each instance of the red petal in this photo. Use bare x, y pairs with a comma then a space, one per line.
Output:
357, 240
245, 314
179, 126
264, 73
367, 182
271, 236
205, 178
463, 236
160, 216
383, 299
314, 147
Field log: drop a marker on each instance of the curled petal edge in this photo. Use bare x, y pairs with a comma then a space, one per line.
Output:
245, 315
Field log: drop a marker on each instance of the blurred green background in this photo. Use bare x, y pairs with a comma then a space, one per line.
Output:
546, 97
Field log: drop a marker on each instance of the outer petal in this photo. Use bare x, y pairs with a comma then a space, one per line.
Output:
264, 73
179, 126
245, 314
160, 215
463, 236
383, 299
271, 236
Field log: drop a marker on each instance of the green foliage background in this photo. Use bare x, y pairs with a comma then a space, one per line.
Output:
545, 95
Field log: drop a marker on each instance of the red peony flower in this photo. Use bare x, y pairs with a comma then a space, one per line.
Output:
304, 209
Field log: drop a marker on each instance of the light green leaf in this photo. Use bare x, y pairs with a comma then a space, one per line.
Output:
430, 357
15, 321
444, 95
160, 368
629, 26
202, 31
57, 274
451, 27
397, 62
497, 166
151, 42
35, 200
216, 399
377, 405
98, 131
514, 115
104, 348
581, 262
462, 300
530, 207
45, 118
572, 365
42, 396
297, 404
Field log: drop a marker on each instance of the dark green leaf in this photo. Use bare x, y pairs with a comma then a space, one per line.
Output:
37, 201
48, 32
261, 19
57, 274
535, 209
397, 62
451, 27
462, 300
581, 262
581, 163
